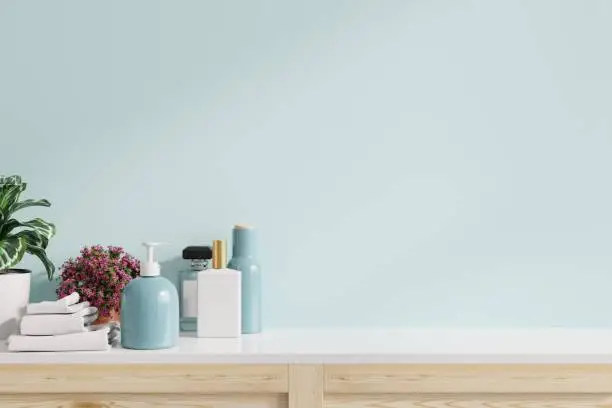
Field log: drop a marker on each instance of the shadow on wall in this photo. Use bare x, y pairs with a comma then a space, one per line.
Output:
41, 289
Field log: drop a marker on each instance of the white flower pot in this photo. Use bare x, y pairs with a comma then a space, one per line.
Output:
14, 296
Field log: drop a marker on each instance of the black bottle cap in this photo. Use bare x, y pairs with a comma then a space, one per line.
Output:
197, 252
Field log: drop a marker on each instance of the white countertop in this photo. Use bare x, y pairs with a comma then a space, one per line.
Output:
361, 346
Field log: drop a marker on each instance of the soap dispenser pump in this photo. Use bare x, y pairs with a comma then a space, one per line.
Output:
149, 308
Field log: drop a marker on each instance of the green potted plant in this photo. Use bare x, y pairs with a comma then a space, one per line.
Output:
16, 239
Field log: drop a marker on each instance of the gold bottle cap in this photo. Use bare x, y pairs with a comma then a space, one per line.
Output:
219, 259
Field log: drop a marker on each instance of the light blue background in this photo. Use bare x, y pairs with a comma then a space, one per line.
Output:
408, 163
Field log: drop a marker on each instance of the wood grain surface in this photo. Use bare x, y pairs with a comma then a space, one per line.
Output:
459, 378
143, 378
142, 401
468, 401
306, 386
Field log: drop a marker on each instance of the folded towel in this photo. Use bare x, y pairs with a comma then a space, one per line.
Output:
55, 307
96, 340
114, 334
71, 299
54, 324
113, 326
67, 304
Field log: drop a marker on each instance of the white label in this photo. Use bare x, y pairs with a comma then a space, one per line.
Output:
190, 298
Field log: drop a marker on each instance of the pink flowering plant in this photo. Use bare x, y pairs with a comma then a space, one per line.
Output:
99, 275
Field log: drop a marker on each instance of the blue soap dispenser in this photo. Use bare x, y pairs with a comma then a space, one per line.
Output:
149, 309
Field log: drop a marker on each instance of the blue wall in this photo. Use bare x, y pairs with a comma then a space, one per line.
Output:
408, 162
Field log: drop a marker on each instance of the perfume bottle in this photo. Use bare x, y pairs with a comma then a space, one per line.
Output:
188, 285
219, 297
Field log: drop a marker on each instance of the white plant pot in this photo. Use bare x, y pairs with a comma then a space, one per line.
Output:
14, 296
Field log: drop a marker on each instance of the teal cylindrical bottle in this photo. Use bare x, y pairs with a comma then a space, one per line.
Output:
244, 259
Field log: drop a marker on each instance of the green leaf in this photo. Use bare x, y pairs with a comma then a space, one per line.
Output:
7, 227
17, 238
10, 180
36, 231
33, 238
29, 203
10, 189
12, 250
41, 226
9, 195
42, 255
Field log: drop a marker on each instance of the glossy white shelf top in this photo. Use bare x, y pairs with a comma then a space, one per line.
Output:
361, 346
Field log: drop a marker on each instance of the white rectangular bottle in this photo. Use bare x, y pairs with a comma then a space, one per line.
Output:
219, 297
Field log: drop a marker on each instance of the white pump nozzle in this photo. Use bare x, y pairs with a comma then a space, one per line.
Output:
150, 267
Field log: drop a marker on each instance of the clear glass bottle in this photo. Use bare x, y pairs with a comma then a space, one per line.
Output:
188, 285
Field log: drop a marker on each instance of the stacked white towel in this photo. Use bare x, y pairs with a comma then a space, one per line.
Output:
66, 305
62, 325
